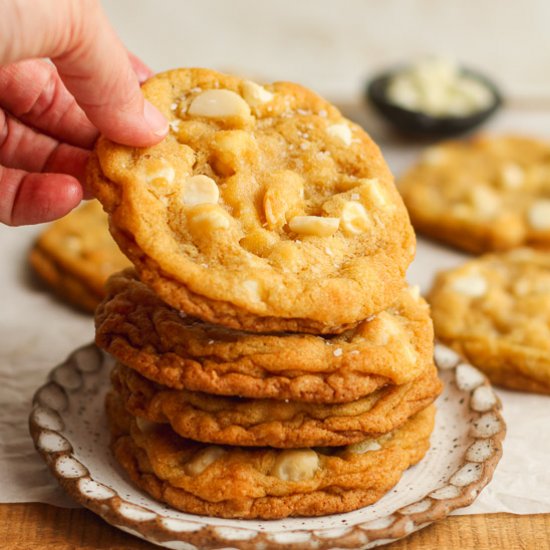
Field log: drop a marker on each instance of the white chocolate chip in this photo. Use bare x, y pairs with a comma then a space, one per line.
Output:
314, 225
414, 291
208, 217
165, 172
485, 201
512, 176
539, 215
375, 193
433, 156
200, 190
364, 446
203, 459
340, 131
219, 104
175, 125
388, 328
73, 243
252, 289
254, 94
354, 218
470, 285
296, 465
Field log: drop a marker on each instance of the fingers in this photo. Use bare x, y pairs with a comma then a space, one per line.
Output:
36, 198
23, 148
91, 61
143, 72
33, 92
100, 76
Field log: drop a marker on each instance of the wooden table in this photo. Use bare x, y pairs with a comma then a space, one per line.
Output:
37, 526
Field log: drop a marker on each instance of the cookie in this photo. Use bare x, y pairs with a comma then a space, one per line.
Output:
489, 193
495, 310
260, 482
263, 209
76, 254
266, 422
144, 333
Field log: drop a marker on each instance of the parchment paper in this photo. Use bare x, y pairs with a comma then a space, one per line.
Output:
37, 331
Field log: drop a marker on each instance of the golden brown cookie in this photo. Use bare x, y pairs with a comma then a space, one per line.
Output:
495, 310
260, 482
488, 193
76, 254
266, 422
142, 332
263, 209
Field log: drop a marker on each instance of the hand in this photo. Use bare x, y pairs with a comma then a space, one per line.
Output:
50, 113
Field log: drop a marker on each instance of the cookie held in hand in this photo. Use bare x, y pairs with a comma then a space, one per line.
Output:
263, 209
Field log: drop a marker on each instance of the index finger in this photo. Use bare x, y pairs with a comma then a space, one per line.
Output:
91, 60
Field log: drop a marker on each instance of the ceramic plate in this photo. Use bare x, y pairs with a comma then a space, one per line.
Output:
69, 428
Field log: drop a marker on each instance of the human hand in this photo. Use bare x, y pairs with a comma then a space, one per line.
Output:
50, 114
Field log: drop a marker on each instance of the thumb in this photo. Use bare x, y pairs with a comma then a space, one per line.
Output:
91, 61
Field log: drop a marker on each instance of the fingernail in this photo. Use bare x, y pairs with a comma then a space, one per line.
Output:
155, 119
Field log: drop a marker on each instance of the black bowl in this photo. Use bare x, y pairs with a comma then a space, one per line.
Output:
421, 124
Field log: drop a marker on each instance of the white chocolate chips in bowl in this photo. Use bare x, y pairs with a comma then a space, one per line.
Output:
434, 96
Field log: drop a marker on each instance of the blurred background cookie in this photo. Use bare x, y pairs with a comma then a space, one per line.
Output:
487, 193
76, 254
495, 310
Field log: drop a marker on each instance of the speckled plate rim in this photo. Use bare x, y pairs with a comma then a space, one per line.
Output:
465, 483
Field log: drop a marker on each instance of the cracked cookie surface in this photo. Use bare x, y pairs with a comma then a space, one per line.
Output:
76, 254
141, 331
263, 209
236, 482
495, 310
488, 193
267, 422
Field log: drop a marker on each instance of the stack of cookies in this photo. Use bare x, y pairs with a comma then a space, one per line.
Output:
272, 361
